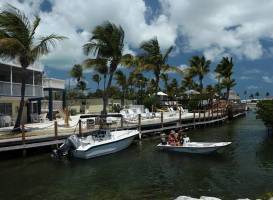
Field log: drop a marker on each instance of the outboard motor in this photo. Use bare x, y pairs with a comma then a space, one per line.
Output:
71, 143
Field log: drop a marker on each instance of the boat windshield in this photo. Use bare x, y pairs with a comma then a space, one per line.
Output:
100, 135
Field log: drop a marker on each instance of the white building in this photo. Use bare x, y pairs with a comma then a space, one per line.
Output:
37, 89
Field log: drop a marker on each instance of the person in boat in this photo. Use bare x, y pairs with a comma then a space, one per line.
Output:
181, 133
171, 138
163, 138
177, 139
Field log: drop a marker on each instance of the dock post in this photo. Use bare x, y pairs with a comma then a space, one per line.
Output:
204, 115
55, 129
199, 115
80, 128
24, 140
121, 121
139, 126
180, 113
162, 124
194, 119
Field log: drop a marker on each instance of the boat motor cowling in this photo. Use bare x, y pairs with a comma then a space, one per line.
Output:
71, 143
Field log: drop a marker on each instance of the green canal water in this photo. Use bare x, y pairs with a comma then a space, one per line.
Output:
245, 169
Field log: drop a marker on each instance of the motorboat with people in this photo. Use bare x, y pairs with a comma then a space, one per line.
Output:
99, 143
181, 143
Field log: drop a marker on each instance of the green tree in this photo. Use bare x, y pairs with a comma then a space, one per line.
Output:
165, 79
96, 78
18, 41
245, 93
123, 84
77, 73
225, 69
257, 94
199, 67
107, 45
267, 94
153, 59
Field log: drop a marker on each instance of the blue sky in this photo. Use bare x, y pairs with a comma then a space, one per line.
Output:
214, 28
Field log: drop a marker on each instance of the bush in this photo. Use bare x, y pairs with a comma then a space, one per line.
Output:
116, 108
265, 112
151, 101
73, 111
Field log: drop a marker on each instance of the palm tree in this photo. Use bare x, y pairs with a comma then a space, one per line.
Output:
123, 83
257, 94
96, 78
245, 93
77, 73
165, 79
153, 59
106, 44
18, 41
199, 66
226, 71
267, 94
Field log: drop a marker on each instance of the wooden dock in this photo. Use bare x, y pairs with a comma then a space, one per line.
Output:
154, 127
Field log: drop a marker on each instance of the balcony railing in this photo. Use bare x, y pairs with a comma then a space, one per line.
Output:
14, 89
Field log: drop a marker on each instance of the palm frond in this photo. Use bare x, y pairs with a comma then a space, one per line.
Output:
44, 46
35, 24
10, 48
166, 55
15, 24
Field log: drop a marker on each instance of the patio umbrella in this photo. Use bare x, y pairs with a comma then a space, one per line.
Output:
161, 94
189, 92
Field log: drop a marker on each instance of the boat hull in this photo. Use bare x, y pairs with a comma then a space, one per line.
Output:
104, 149
189, 148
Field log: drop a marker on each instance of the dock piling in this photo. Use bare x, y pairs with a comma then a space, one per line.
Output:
139, 126
180, 113
121, 121
162, 124
24, 139
194, 119
80, 128
55, 129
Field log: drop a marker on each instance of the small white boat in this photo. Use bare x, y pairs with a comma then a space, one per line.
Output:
100, 143
195, 147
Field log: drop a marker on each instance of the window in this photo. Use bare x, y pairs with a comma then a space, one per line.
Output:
6, 109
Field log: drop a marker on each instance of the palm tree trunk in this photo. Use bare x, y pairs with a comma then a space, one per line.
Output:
16, 127
123, 98
201, 83
157, 78
228, 89
106, 96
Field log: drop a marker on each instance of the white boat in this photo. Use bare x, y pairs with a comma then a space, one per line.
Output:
195, 147
100, 143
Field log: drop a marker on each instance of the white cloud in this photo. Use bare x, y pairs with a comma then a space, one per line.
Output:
267, 79
69, 16
219, 27
216, 28
245, 77
252, 87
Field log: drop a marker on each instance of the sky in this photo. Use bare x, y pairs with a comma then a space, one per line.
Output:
213, 28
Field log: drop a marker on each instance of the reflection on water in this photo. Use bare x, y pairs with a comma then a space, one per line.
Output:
245, 169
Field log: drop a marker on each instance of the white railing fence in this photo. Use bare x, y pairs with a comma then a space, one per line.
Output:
14, 89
